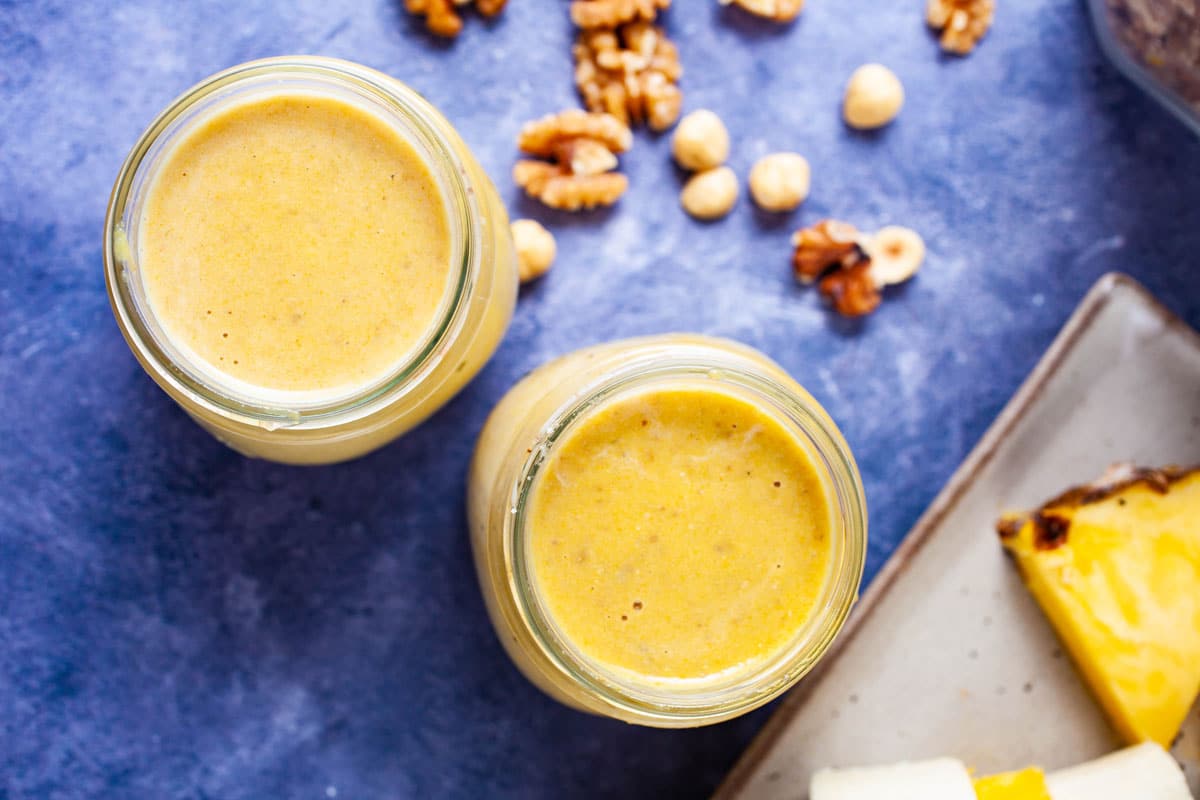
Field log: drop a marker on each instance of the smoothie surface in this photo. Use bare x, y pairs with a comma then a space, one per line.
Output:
295, 242
678, 533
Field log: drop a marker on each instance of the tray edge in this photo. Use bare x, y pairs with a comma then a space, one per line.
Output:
1094, 301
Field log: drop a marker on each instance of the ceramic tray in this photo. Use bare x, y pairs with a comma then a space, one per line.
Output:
946, 653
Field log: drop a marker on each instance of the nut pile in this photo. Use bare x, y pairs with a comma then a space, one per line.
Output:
631, 71
627, 73
701, 144
577, 153
962, 22
442, 18
850, 268
778, 182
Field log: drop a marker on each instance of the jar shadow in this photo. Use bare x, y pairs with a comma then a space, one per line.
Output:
331, 610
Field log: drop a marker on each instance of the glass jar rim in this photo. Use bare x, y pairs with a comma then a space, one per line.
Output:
431, 136
783, 669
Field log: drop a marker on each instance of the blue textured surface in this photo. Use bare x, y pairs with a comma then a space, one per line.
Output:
179, 622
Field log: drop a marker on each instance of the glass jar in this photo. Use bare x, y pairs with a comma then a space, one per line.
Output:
1156, 44
522, 433
465, 331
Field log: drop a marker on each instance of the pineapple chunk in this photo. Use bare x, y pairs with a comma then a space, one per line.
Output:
1026, 784
1116, 568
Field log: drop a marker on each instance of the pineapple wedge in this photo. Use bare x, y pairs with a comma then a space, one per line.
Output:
1026, 784
1116, 568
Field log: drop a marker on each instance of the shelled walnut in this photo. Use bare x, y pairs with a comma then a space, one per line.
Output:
777, 10
580, 150
824, 246
611, 13
962, 22
442, 18
630, 72
850, 268
851, 290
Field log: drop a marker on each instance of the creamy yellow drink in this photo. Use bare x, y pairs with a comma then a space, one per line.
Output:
304, 254
680, 533
668, 530
295, 243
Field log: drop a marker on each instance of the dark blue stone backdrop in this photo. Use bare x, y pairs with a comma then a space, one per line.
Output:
177, 621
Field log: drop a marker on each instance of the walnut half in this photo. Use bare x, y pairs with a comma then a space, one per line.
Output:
630, 72
822, 247
829, 252
611, 13
851, 268
962, 22
777, 10
579, 151
851, 290
442, 18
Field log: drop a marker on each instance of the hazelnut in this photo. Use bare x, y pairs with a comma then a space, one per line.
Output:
535, 249
710, 194
700, 141
874, 96
896, 254
779, 182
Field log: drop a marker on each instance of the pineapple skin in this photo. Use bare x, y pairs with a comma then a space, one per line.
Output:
1116, 569
1025, 784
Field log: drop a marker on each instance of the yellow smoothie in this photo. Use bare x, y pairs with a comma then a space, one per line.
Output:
307, 258
295, 242
668, 530
680, 533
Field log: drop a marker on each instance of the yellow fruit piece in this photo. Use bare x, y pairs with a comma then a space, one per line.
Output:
1116, 568
1025, 784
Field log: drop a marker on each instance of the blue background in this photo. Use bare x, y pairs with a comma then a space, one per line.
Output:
177, 621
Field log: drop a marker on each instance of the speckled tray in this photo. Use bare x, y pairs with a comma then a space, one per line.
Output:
947, 654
